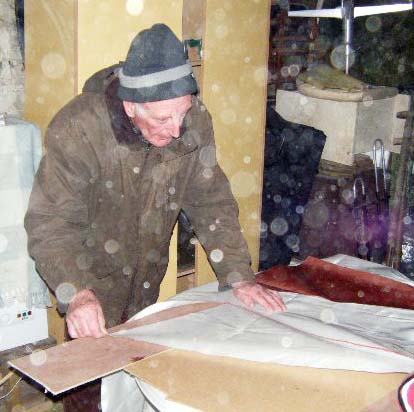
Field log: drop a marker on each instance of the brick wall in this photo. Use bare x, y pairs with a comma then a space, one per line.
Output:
11, 65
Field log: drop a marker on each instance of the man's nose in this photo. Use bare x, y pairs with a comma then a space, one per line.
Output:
175, 127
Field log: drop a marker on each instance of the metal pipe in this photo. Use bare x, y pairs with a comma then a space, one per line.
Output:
347, 19
361, 220
361, 182
378, 144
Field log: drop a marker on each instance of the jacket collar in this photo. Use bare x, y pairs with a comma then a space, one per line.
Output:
127, 134
123, 129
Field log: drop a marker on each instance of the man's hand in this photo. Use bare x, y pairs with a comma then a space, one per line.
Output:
85, 316
250, 293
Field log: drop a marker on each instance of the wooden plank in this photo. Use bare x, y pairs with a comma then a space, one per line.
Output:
399, 201
165, 315
79, 361
71, 364
193, 18
216, 384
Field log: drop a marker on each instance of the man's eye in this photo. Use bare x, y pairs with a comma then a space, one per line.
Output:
162, 121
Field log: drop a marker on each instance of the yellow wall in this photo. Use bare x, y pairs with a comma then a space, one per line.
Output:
235, 53
68, 40
49, 58
106, 28
49, 76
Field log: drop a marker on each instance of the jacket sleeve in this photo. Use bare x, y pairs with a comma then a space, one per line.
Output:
213, 213
57, 218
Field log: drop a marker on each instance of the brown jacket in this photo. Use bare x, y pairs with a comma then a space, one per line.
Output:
104, 203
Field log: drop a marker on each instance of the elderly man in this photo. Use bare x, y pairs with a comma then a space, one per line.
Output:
122, 160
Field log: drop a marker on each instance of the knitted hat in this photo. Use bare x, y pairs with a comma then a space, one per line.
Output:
155, 68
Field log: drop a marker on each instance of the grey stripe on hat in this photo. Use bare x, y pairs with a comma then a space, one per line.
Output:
154, 79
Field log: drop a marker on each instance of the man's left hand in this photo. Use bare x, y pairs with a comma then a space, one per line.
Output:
250, 293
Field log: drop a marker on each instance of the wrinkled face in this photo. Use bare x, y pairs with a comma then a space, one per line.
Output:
160, 121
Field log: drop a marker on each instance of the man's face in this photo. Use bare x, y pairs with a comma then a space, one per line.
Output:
160, 121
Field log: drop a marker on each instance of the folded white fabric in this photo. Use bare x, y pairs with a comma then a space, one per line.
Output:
352, 262
312, 332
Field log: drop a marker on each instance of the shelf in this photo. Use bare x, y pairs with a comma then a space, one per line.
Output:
294, 37
185, 271
297, 33
195, 63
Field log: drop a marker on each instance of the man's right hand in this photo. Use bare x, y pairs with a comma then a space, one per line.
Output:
85, 316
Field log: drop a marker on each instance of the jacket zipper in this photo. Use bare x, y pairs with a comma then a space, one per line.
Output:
147, 150
125, 313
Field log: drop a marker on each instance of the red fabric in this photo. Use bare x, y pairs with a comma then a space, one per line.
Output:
339, 284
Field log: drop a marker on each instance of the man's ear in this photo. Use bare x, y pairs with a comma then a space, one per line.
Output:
129, 108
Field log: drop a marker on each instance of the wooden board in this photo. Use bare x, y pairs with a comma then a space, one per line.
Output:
217, 384
72, 364
165, 315
79, 361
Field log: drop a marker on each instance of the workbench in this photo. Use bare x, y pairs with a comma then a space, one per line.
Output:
343, 355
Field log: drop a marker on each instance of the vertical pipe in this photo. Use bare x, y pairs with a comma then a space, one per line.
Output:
347, 18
